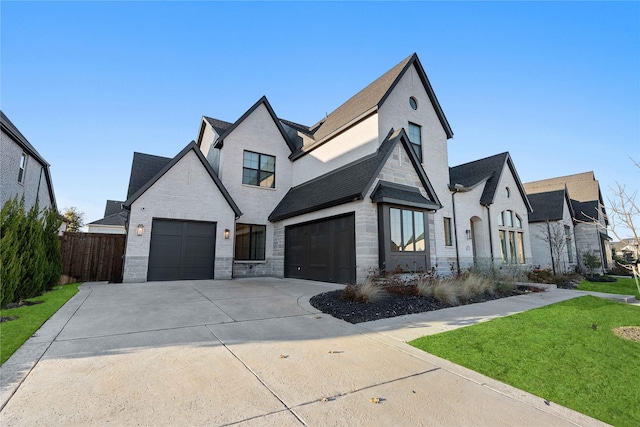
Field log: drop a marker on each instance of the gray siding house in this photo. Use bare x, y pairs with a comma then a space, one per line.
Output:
23, 171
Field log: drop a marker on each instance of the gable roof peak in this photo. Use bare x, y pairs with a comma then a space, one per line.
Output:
372, 97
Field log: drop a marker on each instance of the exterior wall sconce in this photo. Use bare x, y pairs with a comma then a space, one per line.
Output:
227, 233
140, 230
468, 234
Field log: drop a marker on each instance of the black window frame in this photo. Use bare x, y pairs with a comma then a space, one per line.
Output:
417, 147
22, 168
253, 252
261, 175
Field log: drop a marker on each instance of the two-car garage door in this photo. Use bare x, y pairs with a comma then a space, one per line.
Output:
181, 250
322, 250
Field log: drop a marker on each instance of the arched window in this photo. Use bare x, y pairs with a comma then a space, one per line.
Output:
511, 237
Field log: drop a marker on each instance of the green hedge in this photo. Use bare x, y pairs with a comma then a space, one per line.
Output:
31, 262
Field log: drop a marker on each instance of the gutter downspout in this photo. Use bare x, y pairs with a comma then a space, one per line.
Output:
454, 191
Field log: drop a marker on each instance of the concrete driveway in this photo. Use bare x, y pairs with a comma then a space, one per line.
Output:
247, 352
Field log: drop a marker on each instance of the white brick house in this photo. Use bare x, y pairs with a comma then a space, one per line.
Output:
589, 214
367, 187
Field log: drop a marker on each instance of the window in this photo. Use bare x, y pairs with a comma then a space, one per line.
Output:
23, 167
567, 234
250, 242
413, 103
511, 237
508, 192
259, 170
407, 230
415, 137
448, 241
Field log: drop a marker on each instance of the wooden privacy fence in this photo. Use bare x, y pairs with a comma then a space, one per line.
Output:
91, 257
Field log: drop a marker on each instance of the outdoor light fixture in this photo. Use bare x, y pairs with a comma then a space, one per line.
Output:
468, 234
140, 230
227, 233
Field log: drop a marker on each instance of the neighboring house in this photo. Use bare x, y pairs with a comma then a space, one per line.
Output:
114, 220
626, 249
552, 231
23, 171
590, 220
366, 188
491, 212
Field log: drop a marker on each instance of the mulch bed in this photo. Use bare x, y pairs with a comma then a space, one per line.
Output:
390, 305
16, 305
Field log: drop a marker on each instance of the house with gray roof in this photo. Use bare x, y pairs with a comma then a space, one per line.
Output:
23, 171
588, 212
552, 227
489, 225
367, 188
114, 220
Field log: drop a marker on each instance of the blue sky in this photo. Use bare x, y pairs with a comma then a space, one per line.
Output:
88, 83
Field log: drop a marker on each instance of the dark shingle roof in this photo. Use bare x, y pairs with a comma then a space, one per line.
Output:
346, 184
585, 211
547, 206
112, 207
390, 192
168, 165
489, 169
582, 187
116, 219
220, 126
143, 168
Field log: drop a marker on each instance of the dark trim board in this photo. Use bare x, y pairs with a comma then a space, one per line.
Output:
322, 250
181, 250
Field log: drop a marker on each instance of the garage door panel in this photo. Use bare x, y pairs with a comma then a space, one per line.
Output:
181, 250
323, 250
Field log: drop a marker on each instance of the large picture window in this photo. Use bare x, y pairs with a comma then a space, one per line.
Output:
259, 170
407, 230
511, 237
415, 137
250, 242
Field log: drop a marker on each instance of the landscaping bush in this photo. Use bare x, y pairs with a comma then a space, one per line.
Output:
30, 251
369, 291
540, 275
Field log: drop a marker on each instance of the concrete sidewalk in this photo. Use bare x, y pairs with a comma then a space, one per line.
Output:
253, 352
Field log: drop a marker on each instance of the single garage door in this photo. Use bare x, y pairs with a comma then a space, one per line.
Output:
181, 250
322, 250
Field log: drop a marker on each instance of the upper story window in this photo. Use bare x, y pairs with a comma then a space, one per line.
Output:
415, 137
508, 191
259, 170
23, 167
413, 103
407, 230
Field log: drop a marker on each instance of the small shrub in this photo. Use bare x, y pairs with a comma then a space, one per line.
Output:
505, 286
369, 291
540, 275
396, 284
446, 292
425, 286
475, 285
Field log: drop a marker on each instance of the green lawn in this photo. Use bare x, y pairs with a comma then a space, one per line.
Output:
15, 332
563, 352
626, 286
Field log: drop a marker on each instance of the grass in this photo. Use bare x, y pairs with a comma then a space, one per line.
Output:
624, 286
15, 332
564, 352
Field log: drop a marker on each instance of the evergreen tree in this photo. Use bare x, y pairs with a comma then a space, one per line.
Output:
53, 256
33, 256
11, 217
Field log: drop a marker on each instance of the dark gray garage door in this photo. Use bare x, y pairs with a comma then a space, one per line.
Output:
181, 250
322, 250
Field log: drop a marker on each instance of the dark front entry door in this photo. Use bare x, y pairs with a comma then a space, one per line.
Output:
181, 250
322, 250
